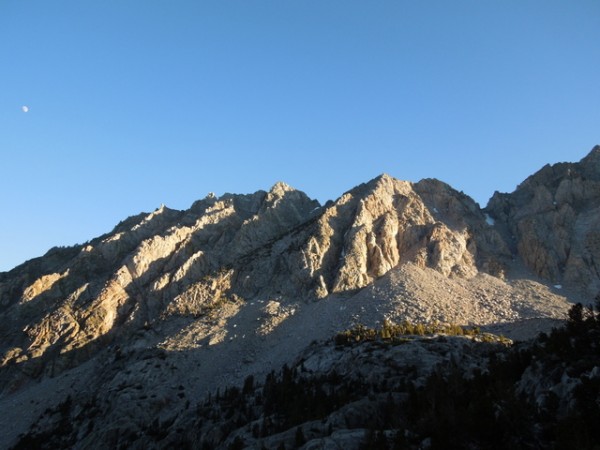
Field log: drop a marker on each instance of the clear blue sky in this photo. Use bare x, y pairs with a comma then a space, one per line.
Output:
134, 103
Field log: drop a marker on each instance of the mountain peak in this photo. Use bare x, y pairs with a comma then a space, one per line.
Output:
280, 188
388, 183
384, 177
177, 303
593, 157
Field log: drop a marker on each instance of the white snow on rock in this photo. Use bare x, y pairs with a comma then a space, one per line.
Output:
488, 219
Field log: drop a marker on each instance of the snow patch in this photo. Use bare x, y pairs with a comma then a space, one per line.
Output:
558, 286
488, 219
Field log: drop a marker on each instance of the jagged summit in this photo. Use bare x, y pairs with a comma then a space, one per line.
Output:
591, 163
552, 221
238, 283
280, 188
593, 155
383, 178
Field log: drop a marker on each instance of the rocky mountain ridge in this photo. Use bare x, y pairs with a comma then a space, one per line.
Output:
238, 284
552, 218
277, 243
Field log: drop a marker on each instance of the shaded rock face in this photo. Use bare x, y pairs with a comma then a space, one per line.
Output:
553, 219
277, 243
134, 275
427, 223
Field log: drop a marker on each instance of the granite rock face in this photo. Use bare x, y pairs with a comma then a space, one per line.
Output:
553, 219
277, 243
176, 302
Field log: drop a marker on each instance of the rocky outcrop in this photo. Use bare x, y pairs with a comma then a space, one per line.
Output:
365, 388
238, 283
553, 218
268, 244
88, 295
386, 223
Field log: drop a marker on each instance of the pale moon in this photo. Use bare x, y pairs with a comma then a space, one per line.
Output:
25, 108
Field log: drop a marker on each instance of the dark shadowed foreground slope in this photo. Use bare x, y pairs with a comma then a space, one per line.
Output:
372, 390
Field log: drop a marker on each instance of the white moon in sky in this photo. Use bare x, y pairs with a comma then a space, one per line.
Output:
25, 108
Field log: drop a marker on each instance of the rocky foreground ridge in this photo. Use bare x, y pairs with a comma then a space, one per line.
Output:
238, 285
369, 390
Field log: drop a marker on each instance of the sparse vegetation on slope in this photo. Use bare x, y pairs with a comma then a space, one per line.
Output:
399, 332
436, 392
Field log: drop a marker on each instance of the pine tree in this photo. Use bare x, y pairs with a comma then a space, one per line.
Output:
299, 438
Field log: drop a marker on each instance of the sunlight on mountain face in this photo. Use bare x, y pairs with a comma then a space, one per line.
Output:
151, 319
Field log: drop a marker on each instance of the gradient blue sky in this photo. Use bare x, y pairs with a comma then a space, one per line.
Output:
134, 103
